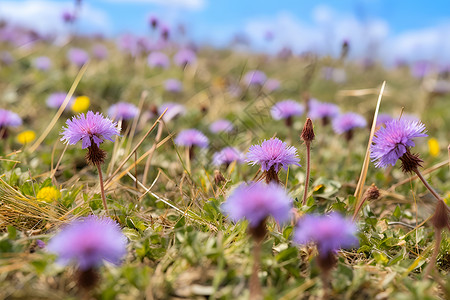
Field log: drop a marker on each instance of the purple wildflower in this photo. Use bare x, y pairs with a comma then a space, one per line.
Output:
55, 100
9, 119
165, 32
153, 21
394, 140
330, 233
6, 58
88, 241
40, 244
123, 110
128, 44
42, 63
221, 125
272, 153
257, 201
173, 110
78, 56
68, 17
158, 60
322, 110
191, 137
227, 155
383, 119
286, 109
347, 122
184, 57
99, 51
173, 85
255, 77
88, 128
272, 85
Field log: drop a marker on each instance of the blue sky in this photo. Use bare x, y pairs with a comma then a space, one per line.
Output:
410, 29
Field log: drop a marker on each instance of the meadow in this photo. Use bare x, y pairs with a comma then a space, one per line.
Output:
167, 196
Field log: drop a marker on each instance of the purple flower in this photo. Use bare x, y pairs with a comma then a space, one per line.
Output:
191, 137
257, 201
158, 60
6, 58
272, 153
40, 244
9, 119
88, 128
173, 110
55, 100
153, 21
255, 77
383, 119
78, 56
184, 57
173, 85
99, 51
392, 141
346, 122
68, 17
88, 241
226, 156
123, 110
221, 125
330, 233
128, 44
272, 85
286, 109
322, 110
42, 63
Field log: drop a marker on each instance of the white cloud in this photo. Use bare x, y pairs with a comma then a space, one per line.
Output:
45, 15
187, 4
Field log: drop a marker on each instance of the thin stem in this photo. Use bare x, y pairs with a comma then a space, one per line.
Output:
358, 208
102, 189
308, 170
427, 185
255, 285
434, 256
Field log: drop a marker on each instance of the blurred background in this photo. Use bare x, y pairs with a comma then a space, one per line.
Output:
390, 32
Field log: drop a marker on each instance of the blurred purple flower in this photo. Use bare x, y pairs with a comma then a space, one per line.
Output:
255, 77
40, 244
184, 57
383, 119
392, 141
286, 109
9, 119
173, 110
221, 125
6, 58
322, 110
68, 17
347, 122
272, 153
158, 60
173, 85
42, 63
165, 32
153, 21
55, 100
257, 201
88, 241
100, 52
191, 137
89, 128
123, 110
227, 155
272, 85
330, 232
420, 69
78, 56
127, 43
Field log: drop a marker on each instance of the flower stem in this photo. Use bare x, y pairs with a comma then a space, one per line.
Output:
255, 285
102, 189
358, 208
431, 265
308, 170
427, 185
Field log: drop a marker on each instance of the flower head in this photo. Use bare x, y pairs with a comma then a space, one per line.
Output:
346, 122
184, 57
321, 110
158, 60
100, 51
80, 104
9, 119
88, 241
173, 110
221, 125
173, 85
55, 100
123, 110
383, 119
42, 63
257, 201
272, 153
286, 109
330, 232
393, 141
272, 85
48, 194
255, 77
227, 155
26, 137
191, 137
89, 128
78, 56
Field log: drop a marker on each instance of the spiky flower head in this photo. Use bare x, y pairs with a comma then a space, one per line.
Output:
173, 110
88, 241
89, 128
227, 155
191, 137
123, 110
9, 119
329, 232
347, 122
158, 60
286, 109
55, 100
272, 153
78, 56
221, 125
184, 57
390, 143
173, 85
322, 110
257, 201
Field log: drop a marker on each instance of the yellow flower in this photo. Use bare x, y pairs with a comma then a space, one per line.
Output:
48, 194
26, 137
433, 146
81, 104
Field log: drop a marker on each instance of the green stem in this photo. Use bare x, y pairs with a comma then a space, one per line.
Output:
102, 189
